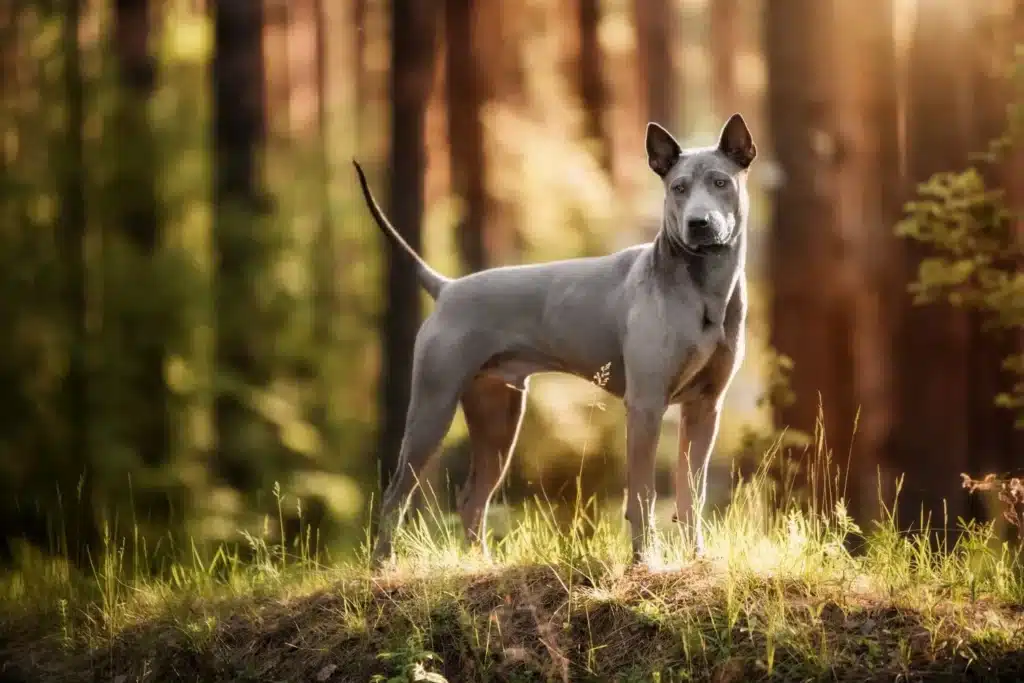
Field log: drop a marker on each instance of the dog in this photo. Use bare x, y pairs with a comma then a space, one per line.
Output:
665, 319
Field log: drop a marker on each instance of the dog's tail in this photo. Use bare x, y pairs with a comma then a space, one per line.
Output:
431, 280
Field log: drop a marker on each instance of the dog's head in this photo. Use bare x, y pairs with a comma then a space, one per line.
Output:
705, 188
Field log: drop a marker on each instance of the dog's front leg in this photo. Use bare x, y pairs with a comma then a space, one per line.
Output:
698, 428
643, 424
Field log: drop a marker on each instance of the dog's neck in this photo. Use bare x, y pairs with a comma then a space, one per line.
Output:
714, 271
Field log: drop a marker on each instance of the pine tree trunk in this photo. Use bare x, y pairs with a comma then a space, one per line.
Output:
465, 130
498, 27
277, 75
140, 223
867, 180
359, 48
593, 89
656, 25
932, 385
239, 132
808, 261
725, 17
413, 46
78, 488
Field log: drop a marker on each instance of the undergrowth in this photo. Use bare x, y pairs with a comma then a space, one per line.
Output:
788, 589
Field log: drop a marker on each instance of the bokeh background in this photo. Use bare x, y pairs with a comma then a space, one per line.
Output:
203, 333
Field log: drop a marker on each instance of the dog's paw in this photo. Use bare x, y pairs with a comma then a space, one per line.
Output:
382, 558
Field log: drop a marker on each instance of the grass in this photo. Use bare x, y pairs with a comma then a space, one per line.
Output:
779, 595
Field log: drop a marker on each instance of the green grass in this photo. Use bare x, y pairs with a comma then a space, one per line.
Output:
778, 596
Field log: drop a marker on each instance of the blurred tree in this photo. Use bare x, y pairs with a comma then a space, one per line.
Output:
135, 181
277, 76
239, 130
466, 131
868, 204
593, 89
930, 423
77, 475
501, 29
359, 47
413, 47
326, 305
808, 260
656, 22
725, 19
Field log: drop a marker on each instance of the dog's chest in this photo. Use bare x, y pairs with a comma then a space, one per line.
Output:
694, 356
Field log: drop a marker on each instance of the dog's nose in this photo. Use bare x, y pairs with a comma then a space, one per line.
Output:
698, 223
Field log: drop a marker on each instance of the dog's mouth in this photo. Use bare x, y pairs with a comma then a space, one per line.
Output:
713, 242
708, 232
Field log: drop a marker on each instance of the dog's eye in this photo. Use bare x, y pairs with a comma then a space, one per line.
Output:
680, 188
720, 182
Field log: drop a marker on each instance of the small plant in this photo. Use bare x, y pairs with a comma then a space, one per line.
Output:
1010, 493
411, 664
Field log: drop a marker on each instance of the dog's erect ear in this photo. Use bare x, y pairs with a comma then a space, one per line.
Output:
662, 149
736, 143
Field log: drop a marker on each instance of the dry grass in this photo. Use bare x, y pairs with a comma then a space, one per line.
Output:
779, 596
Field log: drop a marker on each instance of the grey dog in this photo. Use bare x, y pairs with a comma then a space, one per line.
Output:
665, 319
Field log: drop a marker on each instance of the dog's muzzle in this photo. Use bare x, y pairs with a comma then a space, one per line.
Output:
709, 230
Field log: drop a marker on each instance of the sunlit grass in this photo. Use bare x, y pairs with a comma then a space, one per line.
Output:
779, 592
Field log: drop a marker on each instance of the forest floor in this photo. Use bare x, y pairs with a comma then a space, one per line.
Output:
778, 596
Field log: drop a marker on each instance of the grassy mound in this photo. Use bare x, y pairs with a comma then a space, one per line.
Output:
778, 596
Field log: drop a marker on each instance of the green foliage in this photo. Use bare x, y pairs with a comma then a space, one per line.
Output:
148, 164
975, 250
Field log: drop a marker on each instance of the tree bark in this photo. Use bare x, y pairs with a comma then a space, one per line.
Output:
239, 131
868, 208
725, 19
359, 48
82, 533
656, 23
930, 424
277, 75
466, 131
498, 26
140, 223
413, 46
808, 266
326, 308
593, 89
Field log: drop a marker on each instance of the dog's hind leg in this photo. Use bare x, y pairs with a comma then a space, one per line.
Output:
440, 368
494, 413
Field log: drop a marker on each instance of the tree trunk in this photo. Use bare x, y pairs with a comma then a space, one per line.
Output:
930, 424
725, 17
656, 24
140, 224
239, 130
498, 27
466, 131
277, 76
867, 180
413, 42
807, 258
326, 306
995, 444
82, 534
593, 89
359, 48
